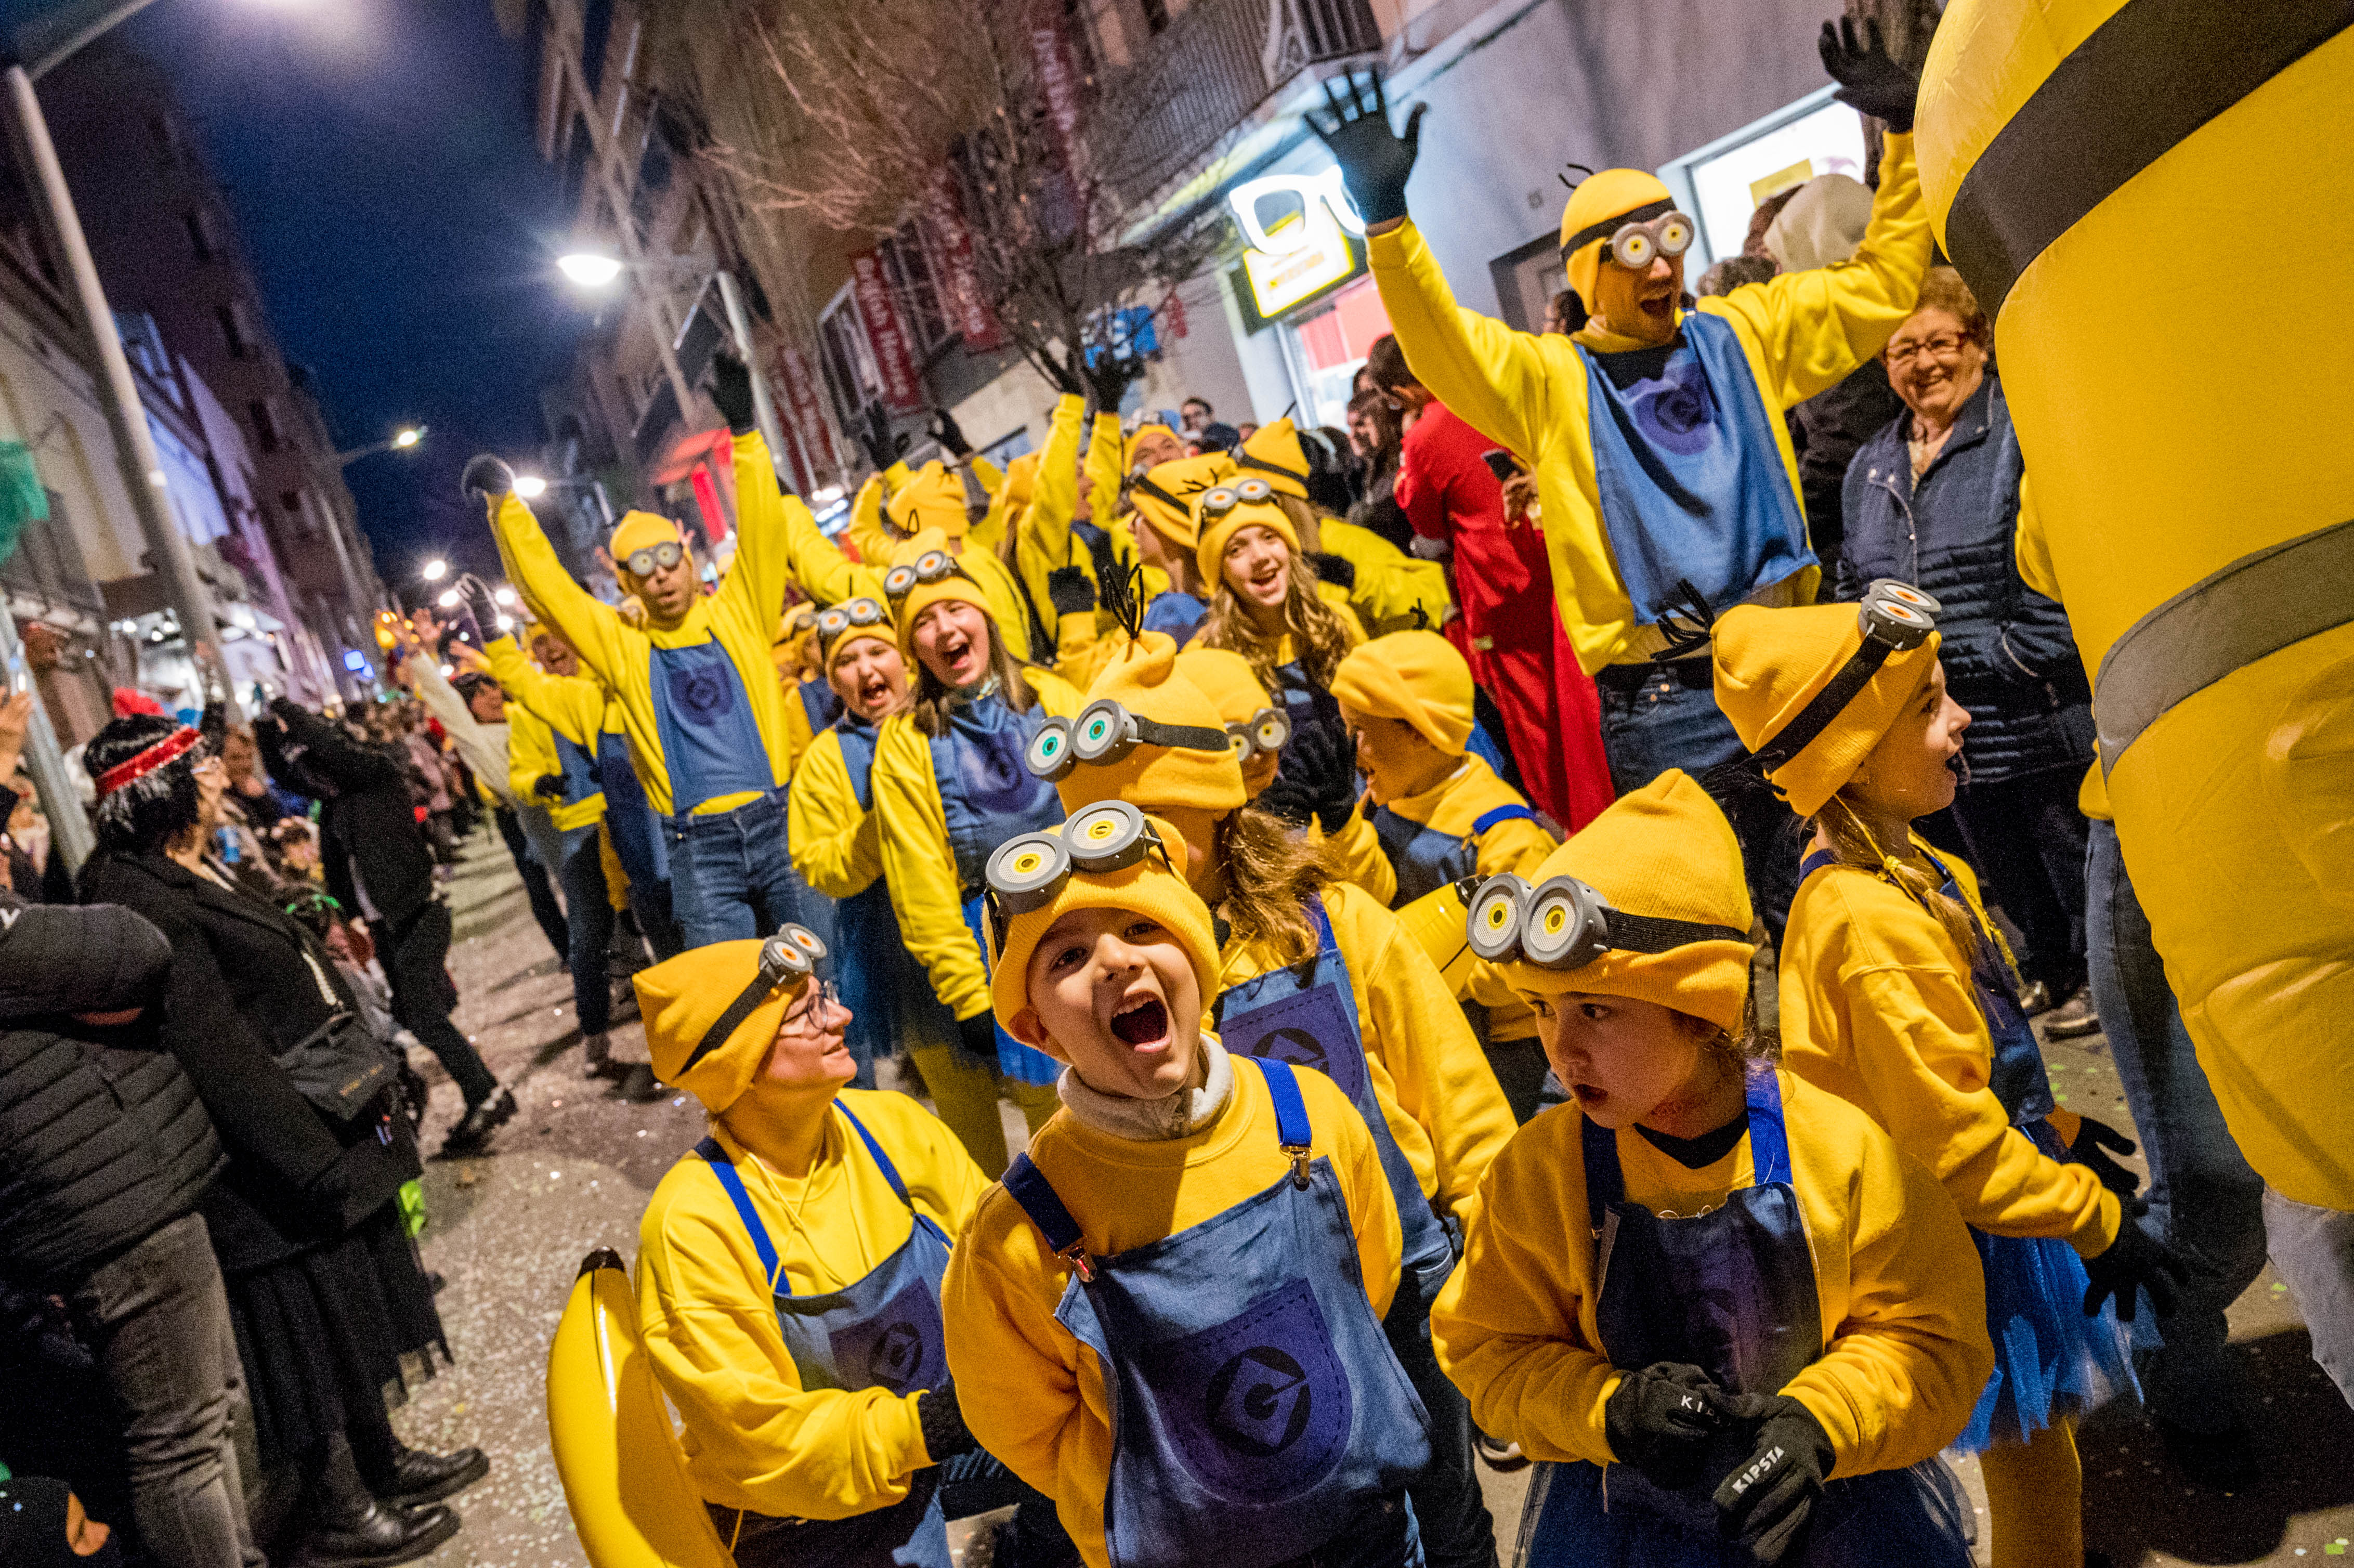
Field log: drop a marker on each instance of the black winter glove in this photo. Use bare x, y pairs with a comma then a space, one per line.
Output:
1870, 82
1070, 591
2137, 1260
945, 430
1287, 801
475, 595
1066, 380
1767, 1503
977, 1036
883, 445
548, 785
2095, 1142
1110, 377
486, 480
1319, 758
1660, 1420
942, 1419
1374, 161
731, 392
1337, 570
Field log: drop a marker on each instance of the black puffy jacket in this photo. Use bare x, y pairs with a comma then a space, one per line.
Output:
102, 1138
2010, 658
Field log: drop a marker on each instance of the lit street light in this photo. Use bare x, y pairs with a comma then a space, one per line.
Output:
435, 570
588, 269
449, 600
504, 594
401, 441
409, 438
530, 486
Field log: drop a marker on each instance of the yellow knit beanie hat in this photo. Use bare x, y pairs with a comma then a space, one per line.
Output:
1265, 511
1020, 478
1612, 196
1146, 682
641, 531
1417, 676
1163, 494
1227, 679
933, 498
910, 599
683, 998
1273, 453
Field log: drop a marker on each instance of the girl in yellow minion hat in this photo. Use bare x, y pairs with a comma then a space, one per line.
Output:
1709, 1274
1898, 996
1388, 590
1162, 523
1202, 1243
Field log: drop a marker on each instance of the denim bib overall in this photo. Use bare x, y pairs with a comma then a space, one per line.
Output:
1427, 860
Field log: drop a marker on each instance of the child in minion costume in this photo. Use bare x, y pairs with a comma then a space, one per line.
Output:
1331, 984
1202, 1243
1162, 526
1733, 1318
1898, 996
1258, 727
1388, 590
929, 512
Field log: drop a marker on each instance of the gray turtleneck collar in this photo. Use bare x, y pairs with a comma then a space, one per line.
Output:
1180, 1115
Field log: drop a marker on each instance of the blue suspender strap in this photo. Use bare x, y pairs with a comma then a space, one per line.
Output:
1605, 1183
890, 1171
1027, 1185
1505, 813
725, 1169
1325, 941
1292, 1133
1769, 1138
1815, 862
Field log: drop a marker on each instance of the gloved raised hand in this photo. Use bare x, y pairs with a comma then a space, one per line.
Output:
1322, 760
945, 430
731, 392
1067, 381
883, 445
977, 1036
548, 785
1109, 376
2135, 1261
2095, 1142
1767, 1503
1374, 159
940, 1415
475, 595
1661, 1419
486, 480
1070, 591
1869, 81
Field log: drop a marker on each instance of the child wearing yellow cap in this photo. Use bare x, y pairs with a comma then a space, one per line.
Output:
1256, 724
1202, 1243
1898, 996
1723, 1281
1160, 522
1388, 590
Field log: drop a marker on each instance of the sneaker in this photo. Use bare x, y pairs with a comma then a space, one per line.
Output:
596, 1058
473, 1133
639, 1086
1497, 1454
2034, 998
2073, 1017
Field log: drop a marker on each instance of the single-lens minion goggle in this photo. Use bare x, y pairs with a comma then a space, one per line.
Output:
1104, 733
835, 620
662, 557
792, 952
1894, 617
1564, 924
1028, 871
1269, 732
931, 566
804, 619
1636, 238
1219, 500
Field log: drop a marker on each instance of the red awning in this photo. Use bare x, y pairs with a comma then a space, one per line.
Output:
713, 443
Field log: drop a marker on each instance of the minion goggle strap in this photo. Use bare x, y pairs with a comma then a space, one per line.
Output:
1269, 732
664, 556
1028, 872
1564, 924
835, 620
931, 566
792, 952
1896, 616
1244, 460
1221, 499
1655, 228
1140, 482
1104, 733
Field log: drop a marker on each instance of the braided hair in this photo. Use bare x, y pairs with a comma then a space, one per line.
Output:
155, 810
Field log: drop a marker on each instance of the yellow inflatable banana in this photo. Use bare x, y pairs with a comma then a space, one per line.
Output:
624, 1477
2154, 200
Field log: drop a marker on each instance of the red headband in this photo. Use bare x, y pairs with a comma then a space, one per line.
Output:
169, 749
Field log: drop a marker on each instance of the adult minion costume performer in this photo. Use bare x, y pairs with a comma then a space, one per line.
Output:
1662, 463
1166, 1316
1719, 1281
1319, 974
2080, 161
1898, 996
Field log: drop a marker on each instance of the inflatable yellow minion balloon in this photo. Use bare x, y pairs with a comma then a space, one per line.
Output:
2153, 199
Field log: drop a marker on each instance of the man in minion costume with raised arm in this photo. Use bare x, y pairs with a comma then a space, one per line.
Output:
1666, 474
704, 714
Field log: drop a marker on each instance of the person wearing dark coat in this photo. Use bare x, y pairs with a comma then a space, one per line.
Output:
105, 1154
326, 1291
1933, 500
377, 863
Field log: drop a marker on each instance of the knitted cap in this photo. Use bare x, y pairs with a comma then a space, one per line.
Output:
1140, 435
1021, 477
1210, 554
1771, 662
1417, 676
1152, 887
1664, 850
933, 498
1147, 681
1273, 453
1227, 679
681, 998
1164, 496
956, 586
641, 531
1613, 193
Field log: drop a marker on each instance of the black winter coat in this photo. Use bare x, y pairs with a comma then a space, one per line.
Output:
367, 826
2010, 658
246, 984
102, 1140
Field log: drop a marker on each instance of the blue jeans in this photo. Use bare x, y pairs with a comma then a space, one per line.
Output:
731, 878
2313, 1248
589, 922
2204, 1200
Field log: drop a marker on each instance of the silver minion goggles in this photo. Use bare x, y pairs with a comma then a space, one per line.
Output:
664, 556
1564, 924
1634, 238
1268, 732
1027, 873
931, 566
1219, 500
792, 952
804, 618
1894, 617
1104, 733
835, 620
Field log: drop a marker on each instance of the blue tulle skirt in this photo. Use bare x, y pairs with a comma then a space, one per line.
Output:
2049, 1358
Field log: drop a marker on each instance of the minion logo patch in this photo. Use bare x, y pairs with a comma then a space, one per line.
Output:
699, 692
1308, 1029
1256, 1409
1259, 1402
898, 1348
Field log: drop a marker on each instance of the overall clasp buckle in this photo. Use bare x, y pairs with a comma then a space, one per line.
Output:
1300, 1155
1081, 1264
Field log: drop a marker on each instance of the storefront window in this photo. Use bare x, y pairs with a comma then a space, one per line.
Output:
1328, 344
1722, 184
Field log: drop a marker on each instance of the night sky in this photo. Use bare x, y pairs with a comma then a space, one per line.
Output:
380, 158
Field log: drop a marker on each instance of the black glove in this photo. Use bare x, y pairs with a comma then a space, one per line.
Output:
883, 445
946, 431
1870, 82
475, 595
1768, 1502
548, 785
1287, 801
731, 392
2095, 1141
1320, 759
485, 479
1337, 570
942, 1418
1374, 161
977, 1036
1660, 1420
1109, 376
1070, 591
1066, 380
2136, 1260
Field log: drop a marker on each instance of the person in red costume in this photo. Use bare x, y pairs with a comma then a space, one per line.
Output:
1508, 631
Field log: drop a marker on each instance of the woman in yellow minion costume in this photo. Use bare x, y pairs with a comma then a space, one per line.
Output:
948, 786
1735, 1320
1898, 996
1388, 590
1314, 972
1166, 1317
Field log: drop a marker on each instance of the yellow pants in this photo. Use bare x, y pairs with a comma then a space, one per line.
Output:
965, 1093
2035, 1498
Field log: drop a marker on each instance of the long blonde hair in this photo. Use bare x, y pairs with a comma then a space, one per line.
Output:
1270, 875
1320, 637
1851, 844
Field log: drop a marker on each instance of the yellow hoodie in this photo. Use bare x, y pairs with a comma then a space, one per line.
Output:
541, 707
836, 844
1516, 844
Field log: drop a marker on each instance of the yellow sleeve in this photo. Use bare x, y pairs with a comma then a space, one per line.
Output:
1816, 326
575, 707
988, 475
596, 630
1517, 845
531, 754
1489, 376
866, 531
2033, 549
920, 868
818, 565
837, 844
1044, 542
1356, 848
1390, 584
1106, 467
765, 529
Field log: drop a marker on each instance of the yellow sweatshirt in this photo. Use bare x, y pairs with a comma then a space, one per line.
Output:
1801, 332
1390, 584
540, 707
836, 844
1432, 1081
1517, 844
741, 617
917, 861
1043, 543
756, 1438
1904, 1311
1878, 1008
1032, 1394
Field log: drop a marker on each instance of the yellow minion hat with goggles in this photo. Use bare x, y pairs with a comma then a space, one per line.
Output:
1163, 494
1148, 735
1417, 676
1810, 690
1108, 855
1275, 454
923, 578
1594, 210
1647, 901
641, 531
841, 625
1224, 510
1227, 678
712, 1013
933, 498
1143, 433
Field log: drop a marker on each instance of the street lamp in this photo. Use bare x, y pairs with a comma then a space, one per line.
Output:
401, 441
588, 268
530, 486
435, 570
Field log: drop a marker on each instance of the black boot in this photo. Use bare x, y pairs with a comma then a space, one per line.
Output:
419, 1478
376, 1536
473, 1133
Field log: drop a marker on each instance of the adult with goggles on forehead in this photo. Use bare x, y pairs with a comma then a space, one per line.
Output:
1899, 996
1731, 1319
1311, 970
708, 726
1662, 461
